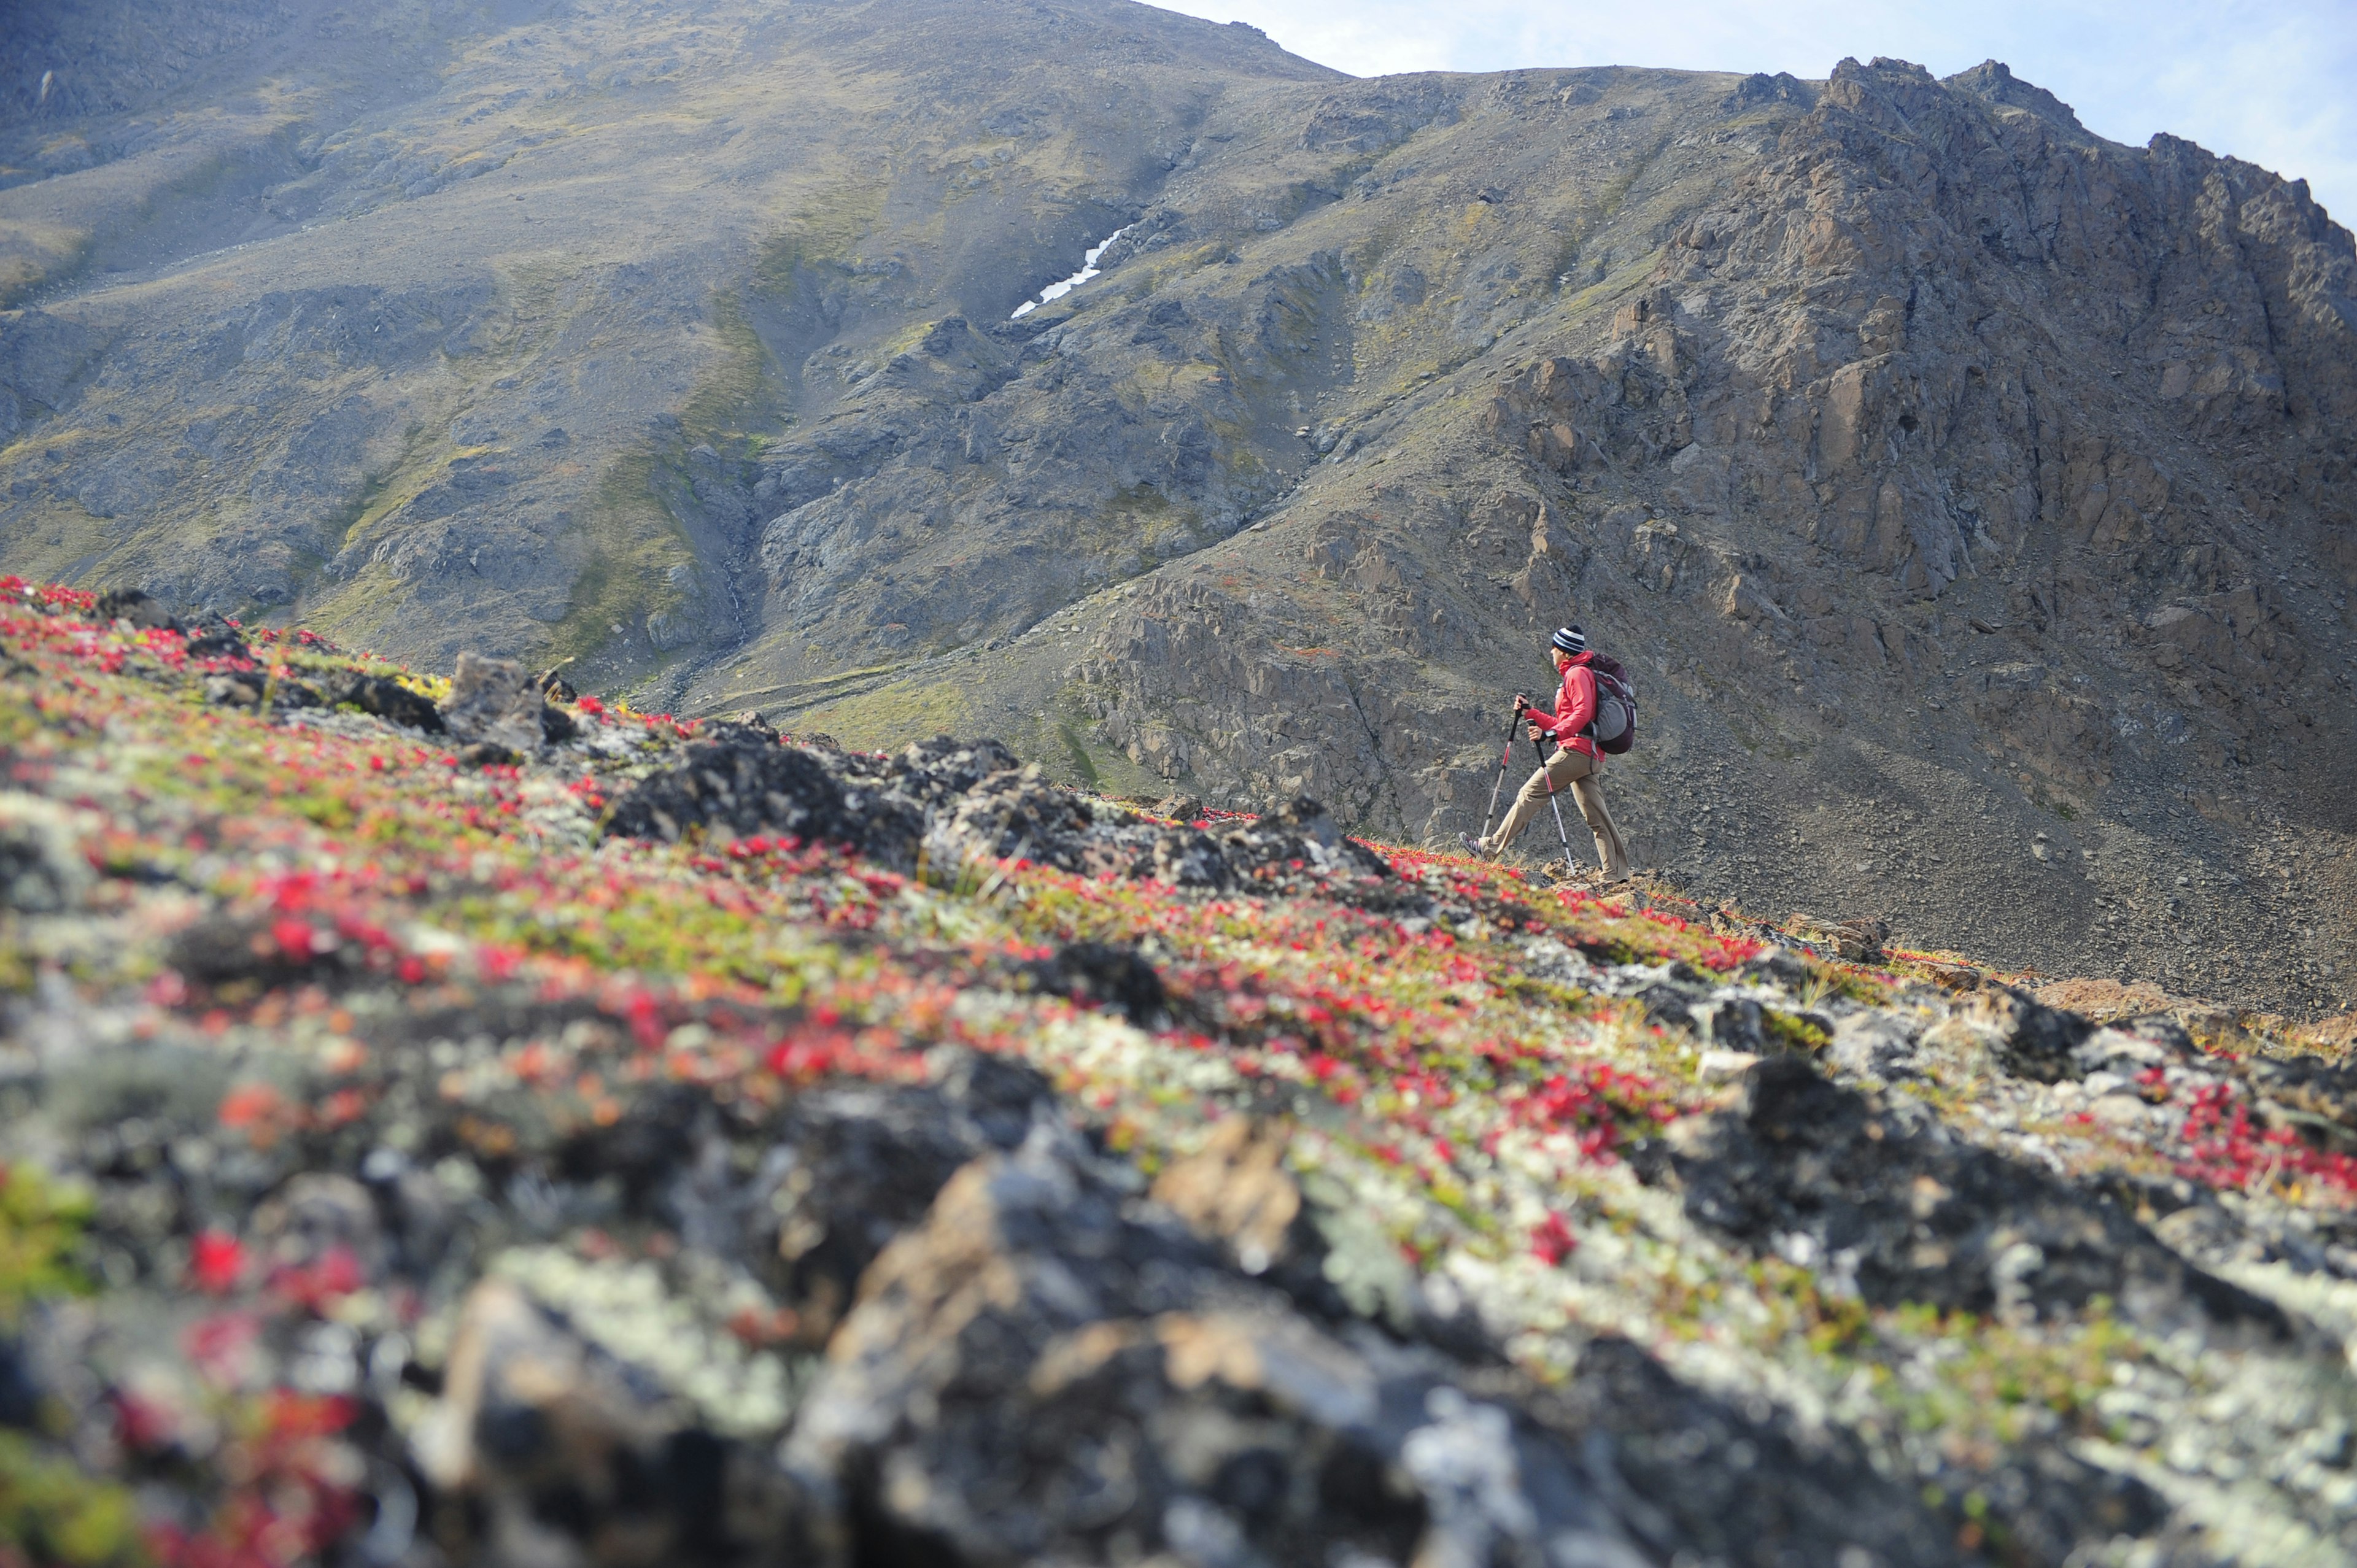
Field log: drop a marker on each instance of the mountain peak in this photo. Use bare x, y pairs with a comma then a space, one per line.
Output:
1993, 81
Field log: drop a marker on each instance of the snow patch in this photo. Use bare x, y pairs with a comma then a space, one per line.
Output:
1056, 291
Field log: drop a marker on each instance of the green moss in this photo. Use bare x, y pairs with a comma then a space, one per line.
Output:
904, 341
1616, 195
885, 717
368, 605
51, 1512
1530, 988
363, 611
51, 534
1999, 1384
1793, 1032
1132, 529
632, 538
739, 396
346, 519
1143, 275
1614, 950
825, 233
18, 277
63, 254
1233, 450
1082, 764
40, 1224
632, 543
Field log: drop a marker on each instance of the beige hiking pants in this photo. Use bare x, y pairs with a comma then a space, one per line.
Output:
1575, 772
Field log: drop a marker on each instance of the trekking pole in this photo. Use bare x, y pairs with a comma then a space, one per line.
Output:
1571, 864
1504, 759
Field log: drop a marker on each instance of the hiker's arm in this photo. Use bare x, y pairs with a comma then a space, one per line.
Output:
1578, 709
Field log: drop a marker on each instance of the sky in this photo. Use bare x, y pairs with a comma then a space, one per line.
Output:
2274, 84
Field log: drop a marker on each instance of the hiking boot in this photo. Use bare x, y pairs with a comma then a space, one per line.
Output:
1473, 846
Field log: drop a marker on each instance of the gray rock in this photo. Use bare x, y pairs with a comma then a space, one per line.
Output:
860, 1166
1924, 1217
1872, 1044
1732, 1023
234, 690
533, 1411
2028, 1037
135, 605
386, 698
42, 869
2132, 1047
493, 702
1187, 858
1037, 1368
1778, 966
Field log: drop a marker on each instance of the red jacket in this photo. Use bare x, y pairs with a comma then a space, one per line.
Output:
1574, 710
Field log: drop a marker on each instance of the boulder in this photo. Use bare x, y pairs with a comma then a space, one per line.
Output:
856, 1166
210, 635
572, 1453
495, 702
136, 606
386, 697
2024, 1035
739, 784
1902, 1211
1187, 858
1017, 815
42, 869
932, 770
1037, 1370
1101, 974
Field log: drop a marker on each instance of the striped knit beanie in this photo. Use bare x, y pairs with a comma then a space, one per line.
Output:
1571, 639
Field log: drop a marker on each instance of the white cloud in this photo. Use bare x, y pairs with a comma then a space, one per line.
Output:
2269, 82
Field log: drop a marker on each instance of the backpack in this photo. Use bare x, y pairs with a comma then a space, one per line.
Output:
1614, 728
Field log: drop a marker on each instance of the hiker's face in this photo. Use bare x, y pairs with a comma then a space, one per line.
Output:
1562, 660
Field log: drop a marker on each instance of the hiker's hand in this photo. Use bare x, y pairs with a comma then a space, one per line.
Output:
1522, 703
1538, 732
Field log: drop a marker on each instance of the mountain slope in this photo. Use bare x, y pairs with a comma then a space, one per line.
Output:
1971, 495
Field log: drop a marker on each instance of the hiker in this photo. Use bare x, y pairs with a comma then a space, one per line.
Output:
1575, 764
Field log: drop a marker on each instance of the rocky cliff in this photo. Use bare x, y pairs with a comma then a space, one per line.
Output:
462, 1120
1971, 495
